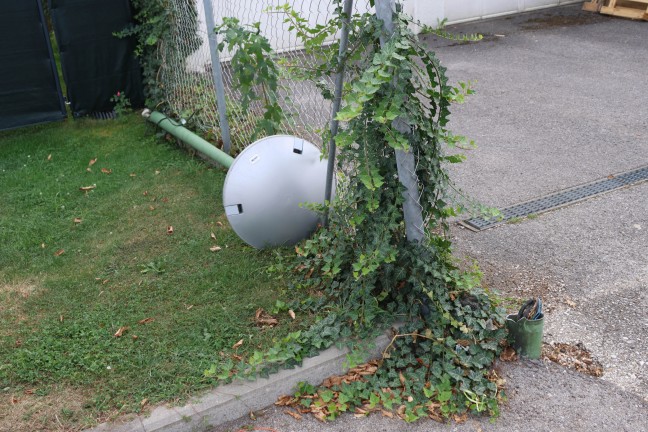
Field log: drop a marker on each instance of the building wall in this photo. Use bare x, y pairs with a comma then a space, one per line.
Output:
429, 12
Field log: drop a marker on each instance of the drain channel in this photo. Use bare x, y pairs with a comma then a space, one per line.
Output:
559, 199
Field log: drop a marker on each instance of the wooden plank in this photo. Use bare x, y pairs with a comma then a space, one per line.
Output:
625, 12
591, 6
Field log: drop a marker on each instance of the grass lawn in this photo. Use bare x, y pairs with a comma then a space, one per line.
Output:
77, 266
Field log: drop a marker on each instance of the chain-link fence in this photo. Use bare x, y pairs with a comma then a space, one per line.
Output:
186, 74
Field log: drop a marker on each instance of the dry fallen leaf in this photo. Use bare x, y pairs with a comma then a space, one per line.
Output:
212, 235
285, 400
87, 188
146, 320
570, 303
42, 245
215, 248
262, 318
151, 208
237, 344
460, 418
106, 171
132, 174
387, 414
14, 400
219, 223
145, 193
291, 313
120, 331
92, 162
157, 172
77, 220
319, 415
49, 156
293, 414
59, 252
135, 337
165, 200
144, 402
169, 230
61, 318
508, 355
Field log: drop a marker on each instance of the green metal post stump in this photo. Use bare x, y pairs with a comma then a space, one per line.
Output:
525, 335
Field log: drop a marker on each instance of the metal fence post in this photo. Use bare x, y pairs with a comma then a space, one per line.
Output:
337, 100
405, 161
217, 75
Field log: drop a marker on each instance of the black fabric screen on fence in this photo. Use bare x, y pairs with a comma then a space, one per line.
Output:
29, 87
96, 64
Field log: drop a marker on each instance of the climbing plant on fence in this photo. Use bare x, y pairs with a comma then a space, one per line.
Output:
153, 28
361, 274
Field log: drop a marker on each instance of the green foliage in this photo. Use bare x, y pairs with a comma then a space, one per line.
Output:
254, 72
361, 272
122, 103
440, 31
151, 29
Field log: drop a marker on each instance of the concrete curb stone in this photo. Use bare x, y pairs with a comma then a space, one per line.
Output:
232, 401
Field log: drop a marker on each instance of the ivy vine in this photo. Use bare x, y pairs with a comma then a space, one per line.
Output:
152, 27
360, 274
254, 72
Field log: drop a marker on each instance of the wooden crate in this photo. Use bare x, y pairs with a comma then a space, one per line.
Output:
594, 5
635, 9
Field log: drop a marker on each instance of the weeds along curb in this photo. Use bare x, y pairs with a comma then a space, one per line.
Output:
232, 401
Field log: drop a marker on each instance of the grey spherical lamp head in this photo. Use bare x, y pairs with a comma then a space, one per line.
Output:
266, 187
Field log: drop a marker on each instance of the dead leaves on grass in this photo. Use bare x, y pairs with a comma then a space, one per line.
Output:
120, 332
264, 319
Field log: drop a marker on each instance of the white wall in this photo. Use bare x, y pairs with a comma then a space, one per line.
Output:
431, 11
428, 12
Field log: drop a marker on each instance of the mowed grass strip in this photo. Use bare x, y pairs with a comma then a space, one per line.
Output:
104, 308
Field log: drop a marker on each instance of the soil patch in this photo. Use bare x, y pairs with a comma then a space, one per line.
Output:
28, 410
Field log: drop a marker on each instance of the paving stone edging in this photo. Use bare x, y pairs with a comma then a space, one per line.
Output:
238, 399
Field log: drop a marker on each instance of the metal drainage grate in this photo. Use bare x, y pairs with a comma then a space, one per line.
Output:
105, 115
559, 199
